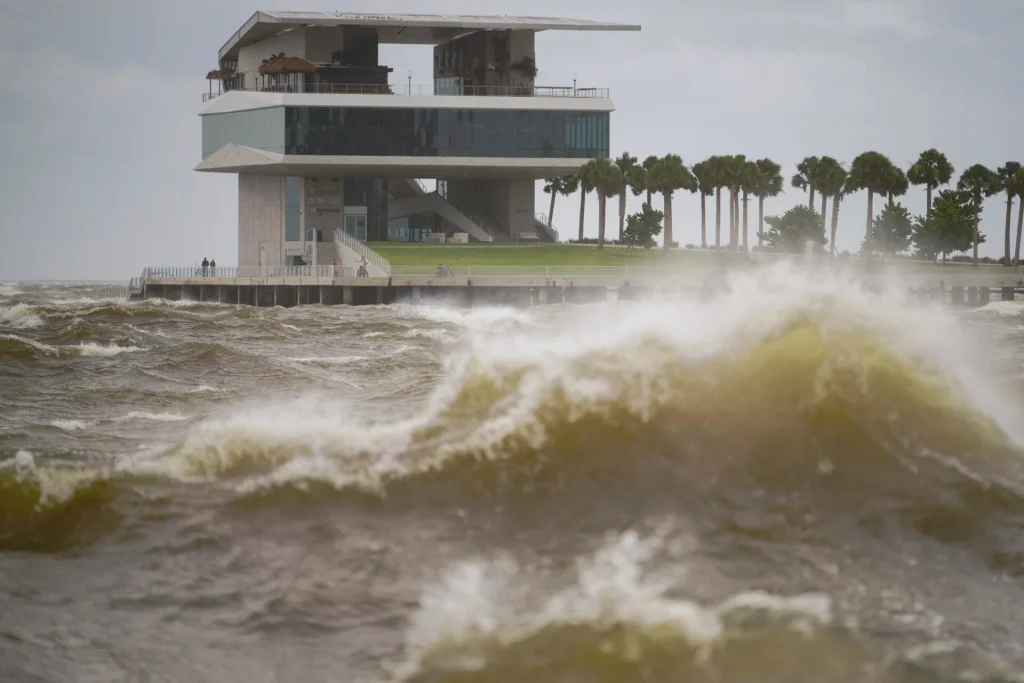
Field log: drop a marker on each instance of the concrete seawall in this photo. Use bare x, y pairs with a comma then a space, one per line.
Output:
958, 289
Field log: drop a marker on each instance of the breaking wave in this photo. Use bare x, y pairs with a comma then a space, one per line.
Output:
802, 386
14, 346
616, 620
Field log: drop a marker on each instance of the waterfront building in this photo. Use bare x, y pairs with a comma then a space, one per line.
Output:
324, 144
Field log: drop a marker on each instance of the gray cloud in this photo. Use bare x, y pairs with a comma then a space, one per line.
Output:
99, 133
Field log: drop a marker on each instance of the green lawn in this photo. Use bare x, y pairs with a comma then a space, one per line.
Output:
461, 255
535, 255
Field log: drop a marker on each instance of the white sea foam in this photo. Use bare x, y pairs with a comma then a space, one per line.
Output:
155, 417
437, 334
9, 290
328, 360
72, 425
20, 316
1004, 308
105, 350
480, 319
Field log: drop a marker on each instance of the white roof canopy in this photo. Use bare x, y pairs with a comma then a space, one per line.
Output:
415, 29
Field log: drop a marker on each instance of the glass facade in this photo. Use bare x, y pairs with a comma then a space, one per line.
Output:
365, 131
257, 128
292, 208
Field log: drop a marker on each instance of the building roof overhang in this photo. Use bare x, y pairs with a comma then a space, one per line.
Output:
232, 158
411, 29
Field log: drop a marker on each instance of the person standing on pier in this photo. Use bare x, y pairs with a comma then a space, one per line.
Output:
213, 267
206, 266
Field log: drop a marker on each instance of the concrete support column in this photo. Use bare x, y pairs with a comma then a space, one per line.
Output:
1006, 293
972, 296
347, 295
380, 296
956, 296
417, 293
984, 295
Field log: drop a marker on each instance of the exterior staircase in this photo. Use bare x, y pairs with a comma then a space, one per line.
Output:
351, 253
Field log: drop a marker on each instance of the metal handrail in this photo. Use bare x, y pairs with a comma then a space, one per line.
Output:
422, 90
221, 272
372, 257
543, 220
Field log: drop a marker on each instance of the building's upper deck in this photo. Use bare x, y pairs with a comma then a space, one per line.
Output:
408, 29
338, 53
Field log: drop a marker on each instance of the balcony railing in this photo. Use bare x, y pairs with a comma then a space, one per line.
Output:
425, 90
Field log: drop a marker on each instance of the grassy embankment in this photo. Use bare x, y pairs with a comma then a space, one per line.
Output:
461, 255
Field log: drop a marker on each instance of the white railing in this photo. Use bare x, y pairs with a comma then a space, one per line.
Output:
220, 272
372, 257
548, 227
421, 90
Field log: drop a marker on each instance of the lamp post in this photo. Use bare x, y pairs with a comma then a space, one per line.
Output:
410, 82
574, 85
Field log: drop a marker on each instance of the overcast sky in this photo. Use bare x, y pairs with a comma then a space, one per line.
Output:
99, 129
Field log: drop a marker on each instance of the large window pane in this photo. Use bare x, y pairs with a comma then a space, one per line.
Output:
363, 131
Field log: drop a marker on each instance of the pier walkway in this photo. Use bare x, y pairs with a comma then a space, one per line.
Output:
297, 285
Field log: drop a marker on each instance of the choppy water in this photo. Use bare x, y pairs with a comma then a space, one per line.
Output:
796, 481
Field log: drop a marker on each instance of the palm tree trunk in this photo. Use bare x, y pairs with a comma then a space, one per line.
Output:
760, 220
583, 206
622, 212
718, 218
551, 209
601, 201
810, 202
977, 214
1020, 224
871, 211
824, 212
1009, 220
667, 197
928, 200
745, 227
835, 221
732, 242
704, 223
735, 220
649, 196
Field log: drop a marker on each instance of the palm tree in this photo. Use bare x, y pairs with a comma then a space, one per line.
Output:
650, 163
716, 169
1008, 180
824, 171
871, 171
669, 175
750, 183
898, 183
980, 182
804, 179
703, 176
608, 183
831, 182
931, 169
769, 184
732, 175
560, 185
626, 163
585, 177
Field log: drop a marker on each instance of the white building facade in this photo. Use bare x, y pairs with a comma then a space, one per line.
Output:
303, 112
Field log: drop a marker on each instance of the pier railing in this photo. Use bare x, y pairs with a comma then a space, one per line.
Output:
370, 255
416, 90
190, 272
